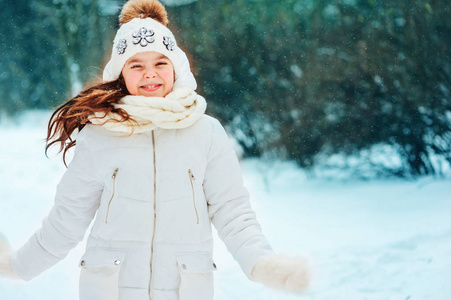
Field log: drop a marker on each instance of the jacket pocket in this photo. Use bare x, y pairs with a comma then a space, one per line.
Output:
192, 180
113, 177
196, 275
99, 276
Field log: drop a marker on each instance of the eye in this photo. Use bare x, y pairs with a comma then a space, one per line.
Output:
161, 63
135, 66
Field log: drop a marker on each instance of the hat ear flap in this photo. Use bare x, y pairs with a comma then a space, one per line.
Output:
185, 77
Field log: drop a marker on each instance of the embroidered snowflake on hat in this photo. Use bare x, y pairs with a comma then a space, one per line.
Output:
169, 43
121, 45
143, 36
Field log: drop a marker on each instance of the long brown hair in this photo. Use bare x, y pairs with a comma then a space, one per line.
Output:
74, 114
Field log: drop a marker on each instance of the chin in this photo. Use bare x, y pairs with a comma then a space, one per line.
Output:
152, 94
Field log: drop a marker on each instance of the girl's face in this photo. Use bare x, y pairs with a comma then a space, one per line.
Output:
149, 74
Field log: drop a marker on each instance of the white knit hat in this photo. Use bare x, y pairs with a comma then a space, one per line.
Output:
141, 35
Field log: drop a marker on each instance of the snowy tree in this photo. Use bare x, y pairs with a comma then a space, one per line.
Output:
51, 49
325, 77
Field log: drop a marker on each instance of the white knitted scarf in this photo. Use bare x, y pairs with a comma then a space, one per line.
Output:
179, 109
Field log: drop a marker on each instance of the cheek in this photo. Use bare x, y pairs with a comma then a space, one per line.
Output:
130, 84
168, 76
130, 78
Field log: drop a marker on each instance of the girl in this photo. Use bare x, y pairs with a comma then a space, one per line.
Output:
155, 172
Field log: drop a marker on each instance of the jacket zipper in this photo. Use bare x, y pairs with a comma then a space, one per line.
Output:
112, 194
191, 180
154, 213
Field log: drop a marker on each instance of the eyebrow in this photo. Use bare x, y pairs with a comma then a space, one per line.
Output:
134, 60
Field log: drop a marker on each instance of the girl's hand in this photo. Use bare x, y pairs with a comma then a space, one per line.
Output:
5, 264
281, 272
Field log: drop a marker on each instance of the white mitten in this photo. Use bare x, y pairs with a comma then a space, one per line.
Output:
281, 272
5, 264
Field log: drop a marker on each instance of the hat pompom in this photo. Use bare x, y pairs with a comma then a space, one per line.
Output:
143, 9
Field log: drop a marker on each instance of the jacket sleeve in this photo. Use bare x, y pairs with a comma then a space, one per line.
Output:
76, 202
228, 204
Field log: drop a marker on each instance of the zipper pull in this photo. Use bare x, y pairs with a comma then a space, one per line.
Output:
191, 174
115, 172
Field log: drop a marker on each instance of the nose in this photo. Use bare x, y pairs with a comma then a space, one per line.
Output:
150, 73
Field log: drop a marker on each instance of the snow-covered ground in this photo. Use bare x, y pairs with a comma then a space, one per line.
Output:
378, 239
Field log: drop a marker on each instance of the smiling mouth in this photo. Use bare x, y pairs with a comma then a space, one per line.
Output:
151, 87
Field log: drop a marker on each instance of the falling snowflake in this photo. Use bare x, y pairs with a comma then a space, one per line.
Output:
143, 37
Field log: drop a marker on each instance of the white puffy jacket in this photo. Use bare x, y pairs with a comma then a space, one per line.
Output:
154, 195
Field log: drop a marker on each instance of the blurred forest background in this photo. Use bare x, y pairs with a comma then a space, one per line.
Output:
293, 79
